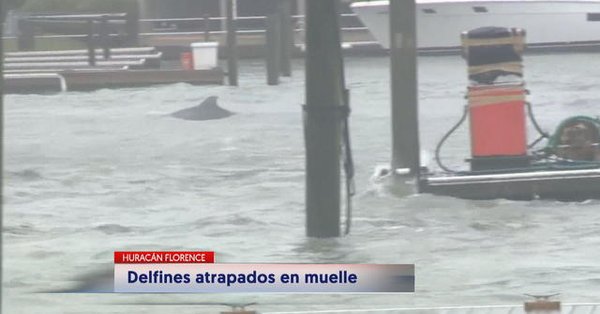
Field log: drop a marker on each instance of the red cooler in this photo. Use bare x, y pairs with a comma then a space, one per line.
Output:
187, 61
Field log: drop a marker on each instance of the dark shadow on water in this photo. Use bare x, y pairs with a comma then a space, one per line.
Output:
331, 250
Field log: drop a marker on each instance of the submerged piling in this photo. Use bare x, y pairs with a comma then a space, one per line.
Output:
132, 25
91, 42
232, 54
273, 48
104, 34
2, 17
26, 35
405, 117
287, 37
206, 27
322, 129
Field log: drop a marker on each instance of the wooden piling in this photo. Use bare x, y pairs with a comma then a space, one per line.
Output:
232, 54
206, 27
26, 35
2, 18
132, 25
405, 117
287, 37
91, 42
322, 129
104, 34
273, 48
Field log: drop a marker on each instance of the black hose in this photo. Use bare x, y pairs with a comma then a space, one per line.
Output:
446, 136
348, 160
438, 149
535, 123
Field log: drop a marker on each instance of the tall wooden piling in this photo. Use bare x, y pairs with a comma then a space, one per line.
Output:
3, 9
405, 117
273, 48
132, 25
287, 37
104, 34
322, 130
26, 35
206, 27
232, 55
91, 42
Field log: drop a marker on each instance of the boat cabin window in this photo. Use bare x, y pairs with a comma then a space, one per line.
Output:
480, 9
593, 17
429, 11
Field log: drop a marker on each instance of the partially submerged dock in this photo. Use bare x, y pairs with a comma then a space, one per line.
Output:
87, 80
101, 65
73, 70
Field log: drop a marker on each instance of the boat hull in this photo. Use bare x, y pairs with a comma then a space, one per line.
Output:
549, 24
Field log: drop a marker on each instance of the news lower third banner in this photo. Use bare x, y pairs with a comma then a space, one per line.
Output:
197, 272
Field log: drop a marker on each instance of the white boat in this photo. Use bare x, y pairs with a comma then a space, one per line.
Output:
549, 24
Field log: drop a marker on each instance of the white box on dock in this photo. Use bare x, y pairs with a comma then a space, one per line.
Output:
205, 55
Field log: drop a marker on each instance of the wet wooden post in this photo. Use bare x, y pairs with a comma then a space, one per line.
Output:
405, 117
132, 26
301, 8
104, 34
322, 129
26, 35
91, 42
287, 37
232, 54
206, 27
2, 18
273, 48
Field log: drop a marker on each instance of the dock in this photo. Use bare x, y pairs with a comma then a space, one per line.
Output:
82, 70
88, 80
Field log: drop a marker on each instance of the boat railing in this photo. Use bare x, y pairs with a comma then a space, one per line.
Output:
247, 25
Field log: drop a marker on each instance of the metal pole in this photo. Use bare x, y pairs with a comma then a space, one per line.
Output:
405, 117
232, 55
273, 48
322, 130
287, 37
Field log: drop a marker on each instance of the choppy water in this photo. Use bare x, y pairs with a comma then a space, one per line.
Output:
90, 173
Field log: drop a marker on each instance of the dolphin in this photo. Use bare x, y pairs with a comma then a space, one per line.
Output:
207, 110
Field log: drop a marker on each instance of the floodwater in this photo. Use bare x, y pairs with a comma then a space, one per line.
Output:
90, 173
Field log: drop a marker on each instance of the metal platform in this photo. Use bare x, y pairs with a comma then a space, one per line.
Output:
564, 185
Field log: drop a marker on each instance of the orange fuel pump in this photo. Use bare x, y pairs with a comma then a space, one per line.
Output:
496, 98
